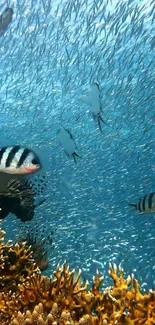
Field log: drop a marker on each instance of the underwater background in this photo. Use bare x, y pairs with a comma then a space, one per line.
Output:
50, 54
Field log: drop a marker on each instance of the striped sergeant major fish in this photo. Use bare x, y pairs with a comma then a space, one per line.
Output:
5, 19
18, 160
67, 142
146, 204
93, 99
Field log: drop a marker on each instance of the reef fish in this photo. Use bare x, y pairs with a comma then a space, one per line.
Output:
5, 19
146, 204
40, 240
19, 200
67, 142
18, 160
93, 99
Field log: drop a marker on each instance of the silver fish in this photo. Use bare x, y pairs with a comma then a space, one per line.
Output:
18, 160
67, 142
5, 19
93, 98
146, 204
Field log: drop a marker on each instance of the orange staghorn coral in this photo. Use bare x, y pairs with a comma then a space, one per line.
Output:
17, 263
27, 298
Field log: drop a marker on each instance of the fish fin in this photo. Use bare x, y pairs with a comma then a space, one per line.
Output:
69, 133
99, 124
99, 120
100, 117
96, 84
74, 156
39, 203
20, 188
134, 205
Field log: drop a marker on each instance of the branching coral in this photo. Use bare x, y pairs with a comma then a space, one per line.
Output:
31, 299
17, 263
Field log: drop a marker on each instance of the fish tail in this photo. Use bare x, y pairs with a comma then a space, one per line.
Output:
99, 124
76, 155
100, 118
134, 205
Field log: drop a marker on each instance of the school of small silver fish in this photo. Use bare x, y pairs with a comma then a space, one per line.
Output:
87, 69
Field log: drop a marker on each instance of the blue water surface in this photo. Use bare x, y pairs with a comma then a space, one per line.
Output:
50, 54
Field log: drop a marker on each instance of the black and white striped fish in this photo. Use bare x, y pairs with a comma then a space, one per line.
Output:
5, 19
18, 160
146, 204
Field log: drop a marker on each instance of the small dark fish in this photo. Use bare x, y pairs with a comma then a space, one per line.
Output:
146, 204
19, 200
5, 19
67, 142
18, 161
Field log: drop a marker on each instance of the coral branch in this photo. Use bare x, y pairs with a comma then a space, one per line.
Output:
28, 298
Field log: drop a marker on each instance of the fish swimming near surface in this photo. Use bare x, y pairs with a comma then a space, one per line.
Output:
146, 204
5, 19
67, 142
18, 160
19, 199
93, 99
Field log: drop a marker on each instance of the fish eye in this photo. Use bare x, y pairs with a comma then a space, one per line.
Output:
35, 161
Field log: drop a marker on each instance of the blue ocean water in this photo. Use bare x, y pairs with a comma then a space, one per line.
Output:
50, 54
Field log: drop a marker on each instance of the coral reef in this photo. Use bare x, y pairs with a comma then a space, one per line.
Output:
39, 252
16, 265
28, 298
